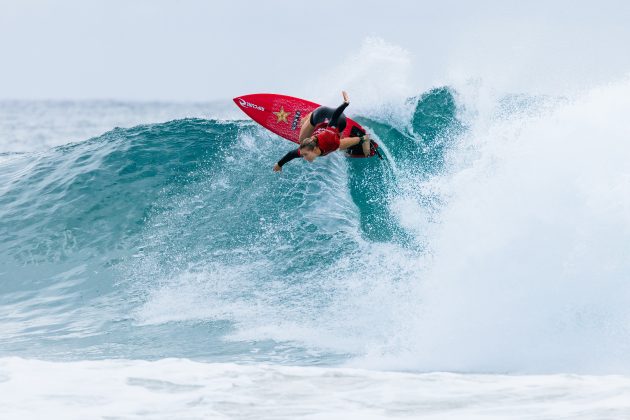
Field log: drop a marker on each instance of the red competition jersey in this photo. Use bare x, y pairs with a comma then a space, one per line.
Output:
327, 138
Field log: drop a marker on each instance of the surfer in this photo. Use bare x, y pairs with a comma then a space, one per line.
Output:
320, 134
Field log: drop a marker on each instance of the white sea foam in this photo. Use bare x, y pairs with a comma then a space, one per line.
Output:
180, 388
530, 261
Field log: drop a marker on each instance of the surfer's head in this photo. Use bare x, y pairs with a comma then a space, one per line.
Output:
309, 149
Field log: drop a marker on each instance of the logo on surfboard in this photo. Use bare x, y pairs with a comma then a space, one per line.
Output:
296, 118
282, 115
246, 104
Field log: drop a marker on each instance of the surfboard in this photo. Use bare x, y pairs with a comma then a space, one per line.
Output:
283, 115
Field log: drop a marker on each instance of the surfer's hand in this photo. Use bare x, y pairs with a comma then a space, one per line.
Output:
345, 96
366, 145
277, 168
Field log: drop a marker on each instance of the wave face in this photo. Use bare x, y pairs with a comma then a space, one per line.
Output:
490, 239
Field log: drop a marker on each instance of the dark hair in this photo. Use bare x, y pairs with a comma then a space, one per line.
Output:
309, 143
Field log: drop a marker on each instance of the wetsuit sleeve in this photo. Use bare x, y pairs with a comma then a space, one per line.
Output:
289, 156
334, 120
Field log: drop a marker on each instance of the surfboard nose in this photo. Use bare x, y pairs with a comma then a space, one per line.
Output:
249, 103
239, 101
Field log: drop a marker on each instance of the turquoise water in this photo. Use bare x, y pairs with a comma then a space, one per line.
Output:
175, 239
493, 238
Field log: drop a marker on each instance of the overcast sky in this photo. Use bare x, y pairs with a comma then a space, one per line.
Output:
205, 50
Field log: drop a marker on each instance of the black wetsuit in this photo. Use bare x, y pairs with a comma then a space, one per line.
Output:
335, 118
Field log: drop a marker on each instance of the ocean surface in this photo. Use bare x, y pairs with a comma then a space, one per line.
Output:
153, 266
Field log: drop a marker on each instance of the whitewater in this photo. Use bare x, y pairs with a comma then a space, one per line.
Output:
153, 266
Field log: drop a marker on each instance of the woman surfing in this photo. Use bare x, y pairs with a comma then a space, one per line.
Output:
320, 134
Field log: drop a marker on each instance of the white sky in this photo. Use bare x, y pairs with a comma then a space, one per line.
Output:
206, 50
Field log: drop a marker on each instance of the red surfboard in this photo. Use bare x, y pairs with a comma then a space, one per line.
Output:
283, 115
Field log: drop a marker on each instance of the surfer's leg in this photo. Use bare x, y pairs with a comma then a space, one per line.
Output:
306, 130
334, 117
341, 123
321, 114
337, 119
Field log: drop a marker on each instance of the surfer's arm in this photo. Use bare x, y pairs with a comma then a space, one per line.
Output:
346, 142
288, 157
